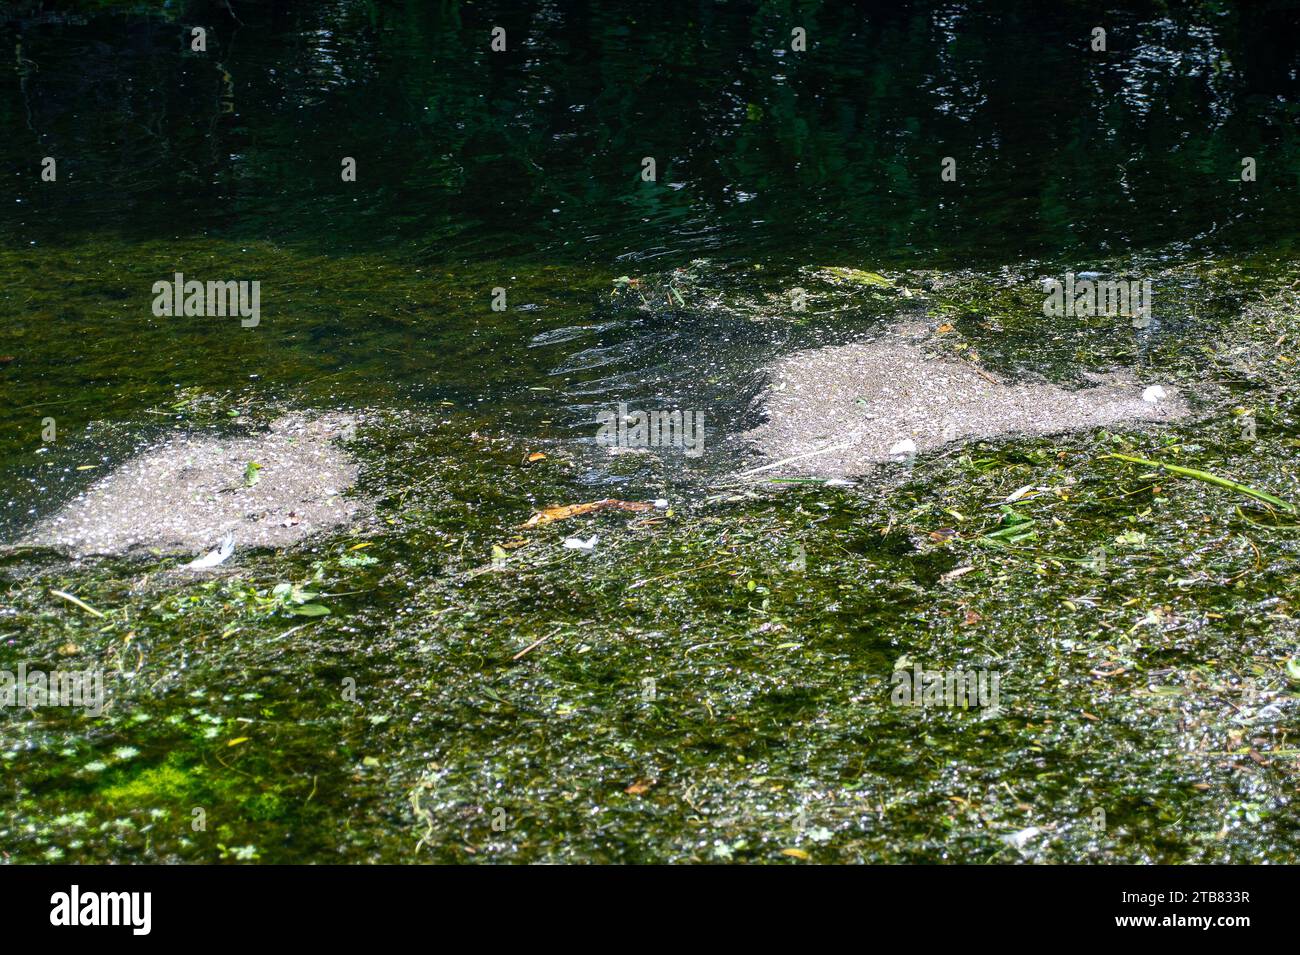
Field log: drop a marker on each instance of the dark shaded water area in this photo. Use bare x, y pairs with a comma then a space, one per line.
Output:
522, 170
469, 155
1160, 688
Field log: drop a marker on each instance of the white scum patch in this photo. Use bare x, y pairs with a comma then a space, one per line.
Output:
190, 491
840, 411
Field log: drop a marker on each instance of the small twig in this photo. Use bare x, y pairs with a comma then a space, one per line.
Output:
80, 603
983, 374
1267, 527
301, 626
534, 645
797, 457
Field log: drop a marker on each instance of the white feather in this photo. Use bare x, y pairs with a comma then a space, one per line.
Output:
213, 557
903, 449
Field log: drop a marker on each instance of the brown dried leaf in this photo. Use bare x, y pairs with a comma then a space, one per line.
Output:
552, 514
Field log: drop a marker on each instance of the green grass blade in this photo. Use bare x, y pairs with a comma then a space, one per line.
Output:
1209, 478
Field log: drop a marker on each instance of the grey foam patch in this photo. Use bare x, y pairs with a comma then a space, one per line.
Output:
838, 411
186, 494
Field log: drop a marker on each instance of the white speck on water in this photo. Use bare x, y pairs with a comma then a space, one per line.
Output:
212, 558
903, 449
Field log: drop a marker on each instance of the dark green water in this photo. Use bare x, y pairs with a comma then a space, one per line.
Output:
466, 156
522, 170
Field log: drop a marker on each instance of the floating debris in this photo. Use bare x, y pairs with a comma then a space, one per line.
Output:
194, 488
220, 554
1209, 478
839, 411
552, 514
903, 449
1018, 840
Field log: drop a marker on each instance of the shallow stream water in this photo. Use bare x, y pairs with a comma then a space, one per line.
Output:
522, 171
